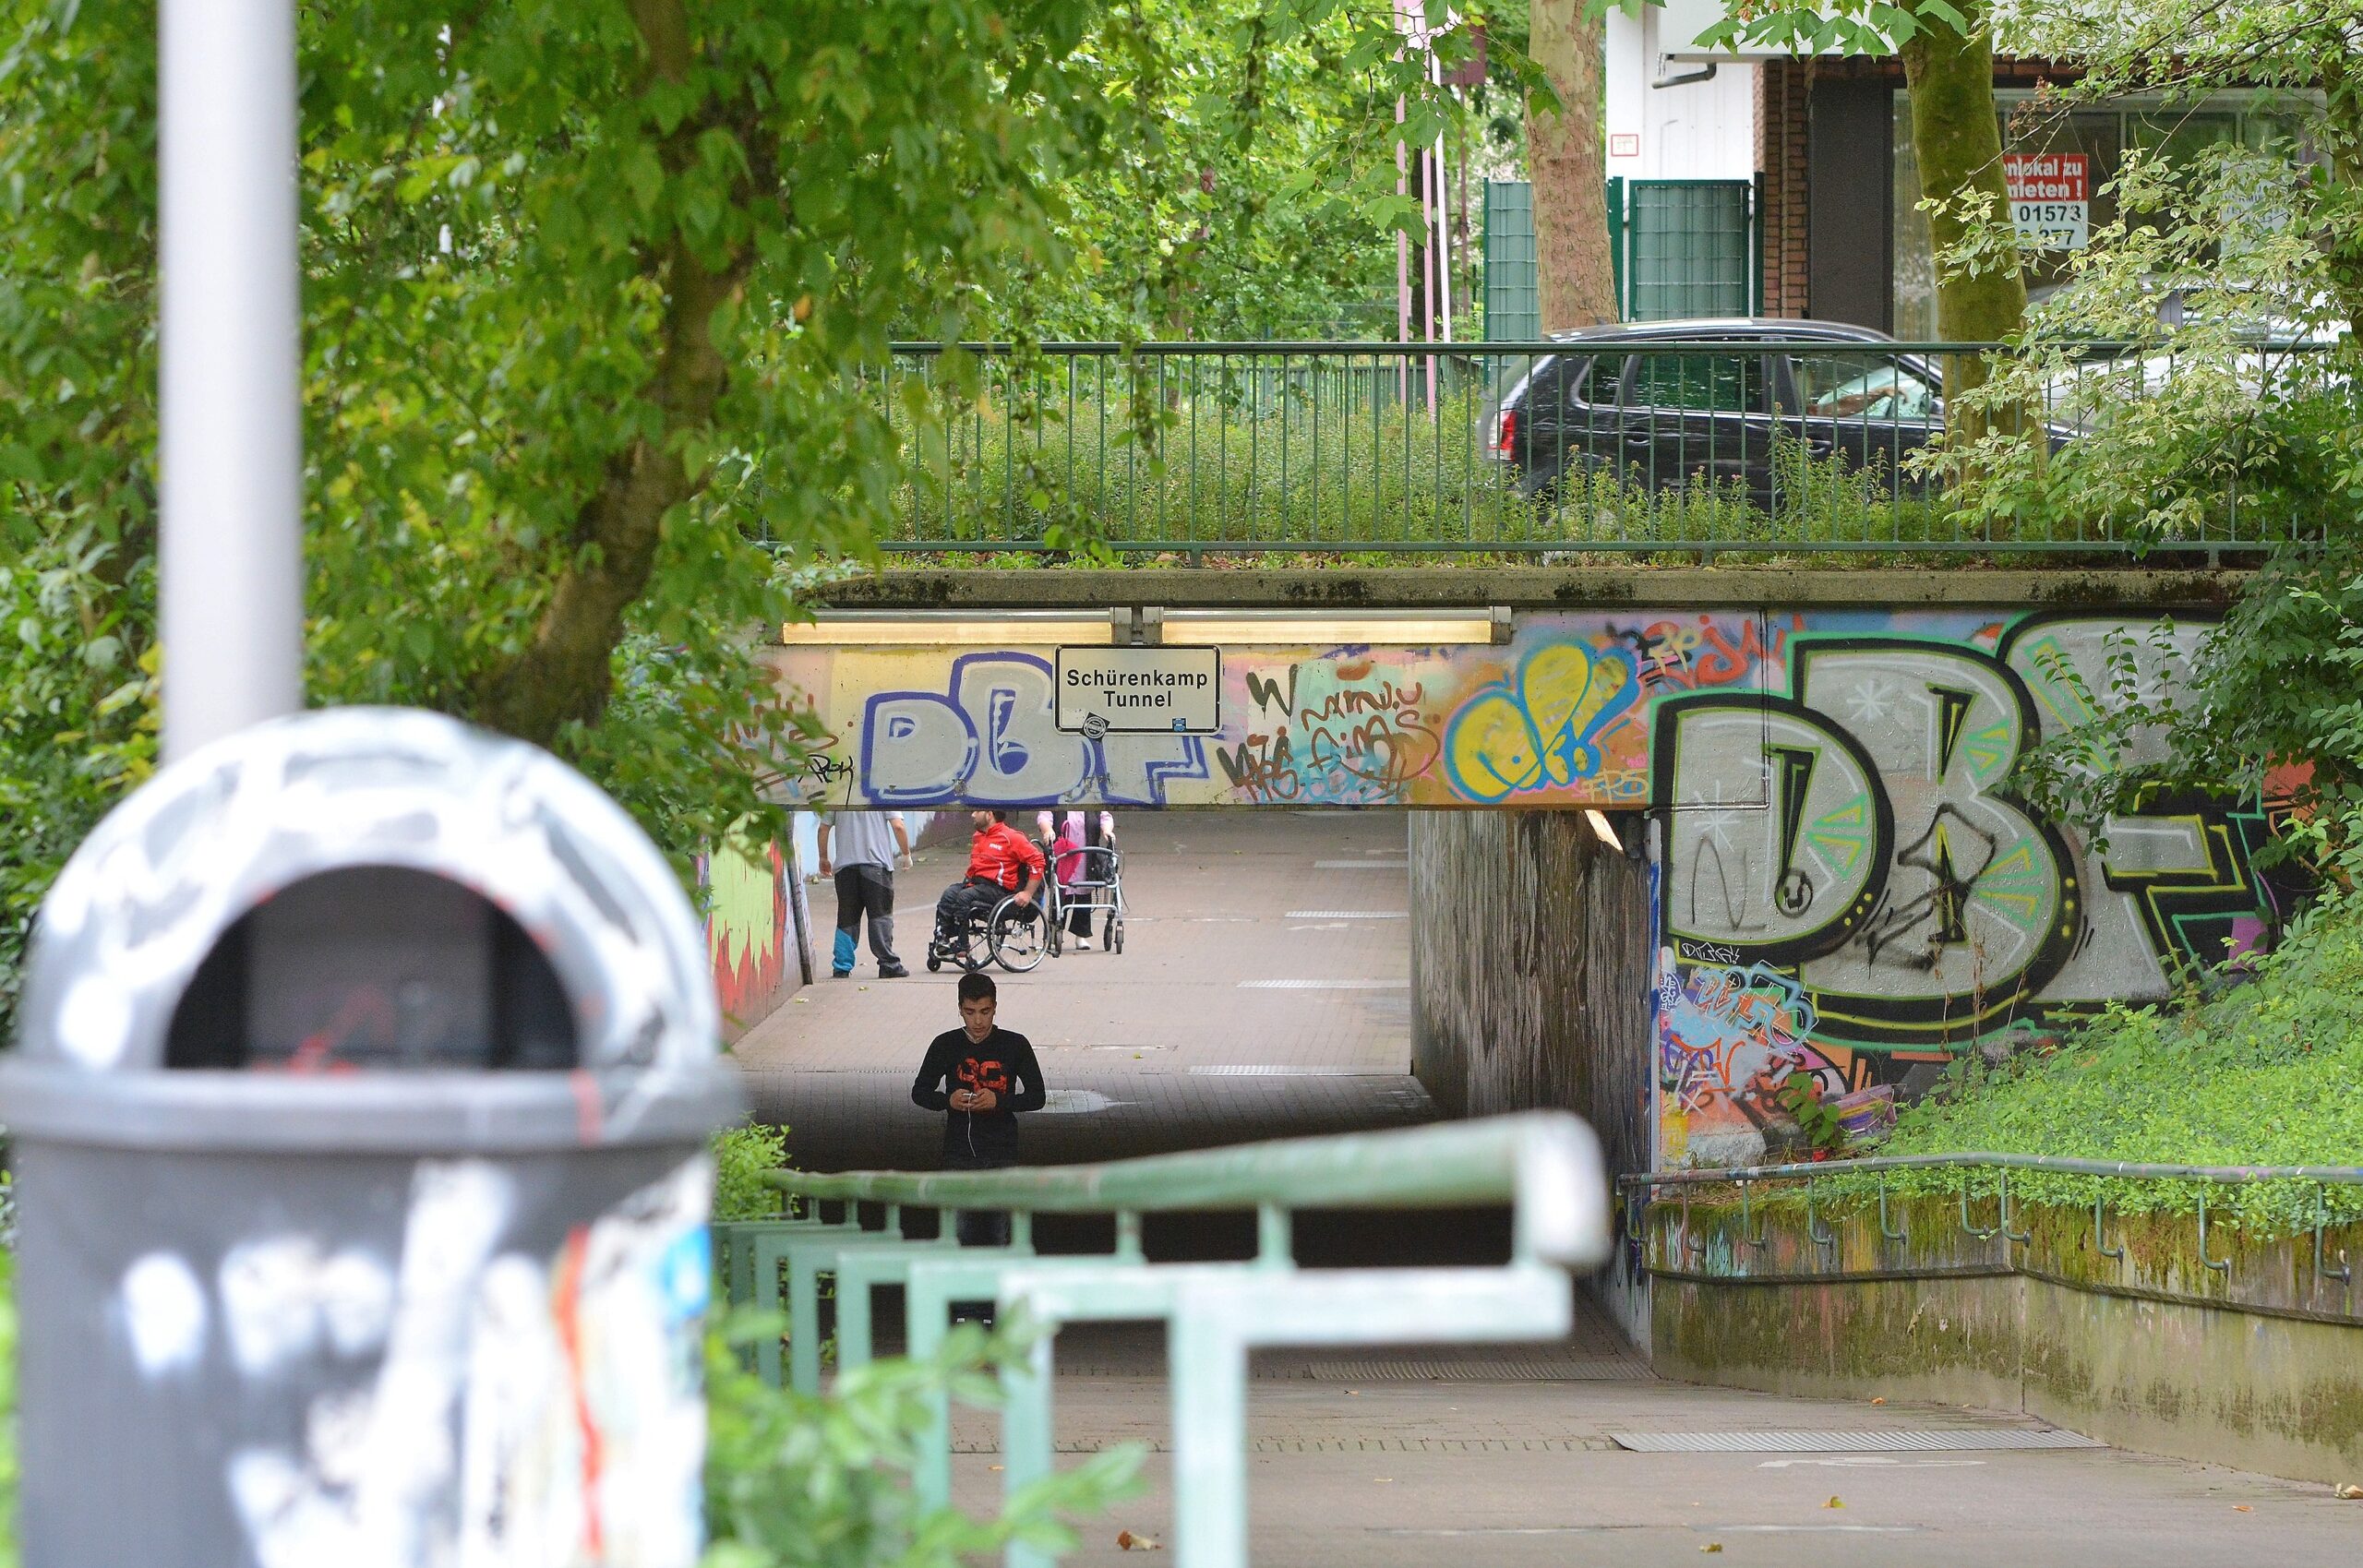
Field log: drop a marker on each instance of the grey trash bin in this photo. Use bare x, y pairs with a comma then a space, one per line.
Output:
359, 1119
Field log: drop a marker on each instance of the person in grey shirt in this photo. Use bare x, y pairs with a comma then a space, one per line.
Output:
866, 844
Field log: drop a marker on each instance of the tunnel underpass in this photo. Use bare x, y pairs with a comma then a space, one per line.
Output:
1264, 990
1639, 864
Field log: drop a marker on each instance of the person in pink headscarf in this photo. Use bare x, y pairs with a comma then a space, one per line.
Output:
1065, 835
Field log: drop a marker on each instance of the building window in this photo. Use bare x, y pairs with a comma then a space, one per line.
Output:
2102, 134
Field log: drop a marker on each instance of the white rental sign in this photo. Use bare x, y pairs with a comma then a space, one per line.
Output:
2051, 195
1140, 691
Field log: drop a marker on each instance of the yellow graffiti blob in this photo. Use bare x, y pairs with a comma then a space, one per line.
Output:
1503, 741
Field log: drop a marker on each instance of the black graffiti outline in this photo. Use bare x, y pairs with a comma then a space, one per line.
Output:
1947, 900
1834, 931
1861, 1018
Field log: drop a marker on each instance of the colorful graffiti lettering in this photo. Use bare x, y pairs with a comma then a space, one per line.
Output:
1857, 837
1685, 655
1352, 732
1725, 1029
1730, 1039
991, 738
1536, 732
748, 930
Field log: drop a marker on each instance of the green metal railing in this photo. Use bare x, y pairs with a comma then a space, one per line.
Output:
1665, 445
1638, 1190
1546, 1166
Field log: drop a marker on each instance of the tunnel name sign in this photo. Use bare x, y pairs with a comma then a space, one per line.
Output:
1139, 690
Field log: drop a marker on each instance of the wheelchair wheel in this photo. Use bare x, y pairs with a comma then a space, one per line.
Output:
1018, 942
975, 949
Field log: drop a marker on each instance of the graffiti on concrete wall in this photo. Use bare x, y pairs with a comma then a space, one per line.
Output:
1537, 731
984, 732
1733, 1036
1555, 718
1848, 884
1848, 829
749, 931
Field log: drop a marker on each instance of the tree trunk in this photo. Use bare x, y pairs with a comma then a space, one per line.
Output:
1958, 137
1570, 176
565, 675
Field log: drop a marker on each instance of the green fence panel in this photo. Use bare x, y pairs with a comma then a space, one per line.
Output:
1690, 249
1214, 447
1513, 286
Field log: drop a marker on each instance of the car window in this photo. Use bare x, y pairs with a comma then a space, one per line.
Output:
1859, 385
1700, 382
1597, 384
1577, 381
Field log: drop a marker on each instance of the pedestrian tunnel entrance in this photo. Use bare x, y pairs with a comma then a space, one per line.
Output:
1822, 863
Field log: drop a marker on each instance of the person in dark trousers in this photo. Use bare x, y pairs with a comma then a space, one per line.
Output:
1002, 862
1065, 835
980, 1076
866, 844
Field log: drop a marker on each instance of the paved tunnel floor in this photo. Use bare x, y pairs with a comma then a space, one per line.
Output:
1263, 991
1501, 1457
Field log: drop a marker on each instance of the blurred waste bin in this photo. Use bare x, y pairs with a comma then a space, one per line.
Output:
359, 1120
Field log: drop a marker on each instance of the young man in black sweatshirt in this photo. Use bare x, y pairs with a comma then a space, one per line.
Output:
980, 1075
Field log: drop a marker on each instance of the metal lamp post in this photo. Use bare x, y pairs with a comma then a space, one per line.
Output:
231, 445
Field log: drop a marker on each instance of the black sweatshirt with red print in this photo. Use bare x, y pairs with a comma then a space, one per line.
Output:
1002, 1062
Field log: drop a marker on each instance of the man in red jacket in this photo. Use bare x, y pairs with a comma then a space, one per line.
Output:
1003, 862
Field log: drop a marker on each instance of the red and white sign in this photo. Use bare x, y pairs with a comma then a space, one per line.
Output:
1624, 144
2051, 195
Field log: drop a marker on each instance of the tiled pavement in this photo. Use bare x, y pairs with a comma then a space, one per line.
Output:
1394, 1471
1223, 1020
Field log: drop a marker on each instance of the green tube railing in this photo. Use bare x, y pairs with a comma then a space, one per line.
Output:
1545, 1166
1639, 1190
1784, 446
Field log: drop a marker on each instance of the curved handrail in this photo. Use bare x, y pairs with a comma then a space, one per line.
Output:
1546, 1164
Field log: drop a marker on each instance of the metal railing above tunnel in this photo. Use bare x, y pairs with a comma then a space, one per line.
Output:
1620, 446
1546, 1166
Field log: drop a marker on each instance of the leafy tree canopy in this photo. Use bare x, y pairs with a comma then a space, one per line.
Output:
595, 292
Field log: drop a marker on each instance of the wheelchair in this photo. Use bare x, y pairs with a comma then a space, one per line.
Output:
1017, 937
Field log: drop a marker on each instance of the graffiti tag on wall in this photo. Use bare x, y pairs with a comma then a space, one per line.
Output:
1852, 831
1556, 719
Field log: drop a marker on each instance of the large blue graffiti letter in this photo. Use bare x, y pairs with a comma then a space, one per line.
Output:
917, 749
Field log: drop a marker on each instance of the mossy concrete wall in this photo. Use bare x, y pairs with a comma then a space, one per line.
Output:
1530, 978
2259, 1366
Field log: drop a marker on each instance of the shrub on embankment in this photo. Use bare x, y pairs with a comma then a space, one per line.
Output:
2267, 1072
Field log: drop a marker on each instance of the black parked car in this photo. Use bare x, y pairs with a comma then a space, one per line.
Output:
1667, 403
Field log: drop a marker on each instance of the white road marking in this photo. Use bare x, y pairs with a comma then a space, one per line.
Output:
1864, 1461
1348, 915
1275, 1069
